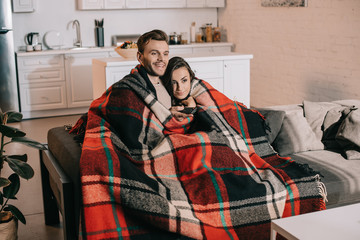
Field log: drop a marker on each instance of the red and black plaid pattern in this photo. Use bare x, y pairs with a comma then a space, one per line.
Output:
212, 176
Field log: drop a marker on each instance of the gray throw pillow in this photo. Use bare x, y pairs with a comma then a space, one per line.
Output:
296, 135
315, 113
331, 124
348, 134
274, 120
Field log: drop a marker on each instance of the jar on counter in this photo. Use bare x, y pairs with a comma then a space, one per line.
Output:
208, 31
217, 34
198, 37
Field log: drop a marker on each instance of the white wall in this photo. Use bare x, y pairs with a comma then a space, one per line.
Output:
310, 53
58, 14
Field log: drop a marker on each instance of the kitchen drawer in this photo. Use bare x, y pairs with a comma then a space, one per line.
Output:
41, 62
42, 96
208, 69
50, 75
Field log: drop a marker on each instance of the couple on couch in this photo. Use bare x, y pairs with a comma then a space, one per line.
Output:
148, 171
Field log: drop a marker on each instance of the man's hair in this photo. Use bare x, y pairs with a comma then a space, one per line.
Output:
155, 34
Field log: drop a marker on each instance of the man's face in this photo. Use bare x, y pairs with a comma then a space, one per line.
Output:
155, 57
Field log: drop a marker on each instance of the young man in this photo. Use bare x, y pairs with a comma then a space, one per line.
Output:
153, 55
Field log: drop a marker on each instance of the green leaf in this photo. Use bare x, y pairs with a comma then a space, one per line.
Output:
14, 116
23, 169
16, 212
22, 158
11, 190
11, 131
29, 142
4, 182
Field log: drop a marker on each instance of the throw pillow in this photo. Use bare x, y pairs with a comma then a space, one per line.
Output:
296, 135
331, 124
315, 113
274, 120
348, 134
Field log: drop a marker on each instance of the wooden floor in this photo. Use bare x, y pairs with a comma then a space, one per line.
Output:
30, 195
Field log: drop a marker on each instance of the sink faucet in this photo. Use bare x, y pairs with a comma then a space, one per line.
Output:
76, 24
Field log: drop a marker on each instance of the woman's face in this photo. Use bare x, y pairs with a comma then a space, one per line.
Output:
181, 83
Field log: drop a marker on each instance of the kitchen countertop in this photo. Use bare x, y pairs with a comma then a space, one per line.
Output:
109, 49
119, 61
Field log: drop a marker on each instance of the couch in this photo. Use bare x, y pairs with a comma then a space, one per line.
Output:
308, 133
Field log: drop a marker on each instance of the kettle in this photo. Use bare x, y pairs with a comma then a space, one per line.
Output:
32, 38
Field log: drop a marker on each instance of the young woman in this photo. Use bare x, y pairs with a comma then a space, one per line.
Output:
177, 80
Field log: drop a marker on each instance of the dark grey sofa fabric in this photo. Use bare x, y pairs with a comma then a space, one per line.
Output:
63, 146
67, 153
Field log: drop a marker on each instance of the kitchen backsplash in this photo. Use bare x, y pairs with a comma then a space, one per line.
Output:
54, 15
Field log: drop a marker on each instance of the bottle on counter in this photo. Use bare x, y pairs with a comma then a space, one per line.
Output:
208, 30
192, 32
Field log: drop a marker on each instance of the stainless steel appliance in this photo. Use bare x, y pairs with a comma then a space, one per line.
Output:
8, 85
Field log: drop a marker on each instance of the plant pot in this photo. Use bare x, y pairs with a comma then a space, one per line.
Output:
8, 226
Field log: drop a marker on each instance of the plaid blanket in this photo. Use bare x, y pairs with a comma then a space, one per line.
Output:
146, 175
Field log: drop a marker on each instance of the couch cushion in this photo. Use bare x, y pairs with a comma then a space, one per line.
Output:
340, 176
64, 148
296, 135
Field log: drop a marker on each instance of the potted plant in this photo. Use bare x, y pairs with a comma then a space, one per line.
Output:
9, 214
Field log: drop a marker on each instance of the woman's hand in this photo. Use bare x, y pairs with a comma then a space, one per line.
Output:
179, 116
189, 102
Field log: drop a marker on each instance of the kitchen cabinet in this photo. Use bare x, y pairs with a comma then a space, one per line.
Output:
166, 3
23, 5
130, 4
205, 3
135, 3
79, 78
229, 73
215, 3
234, 87
100, 4
42, 82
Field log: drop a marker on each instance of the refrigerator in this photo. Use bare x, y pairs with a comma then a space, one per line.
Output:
9, 99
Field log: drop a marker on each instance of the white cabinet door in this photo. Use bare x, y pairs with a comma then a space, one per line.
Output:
114, 4
90, 4
79, 78
215, 3
115, 74
210, 71
166, 3
42, 96
135, 4
23, 5
195, 3
237, 80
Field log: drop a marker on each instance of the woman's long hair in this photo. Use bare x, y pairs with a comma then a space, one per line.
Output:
175, 63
